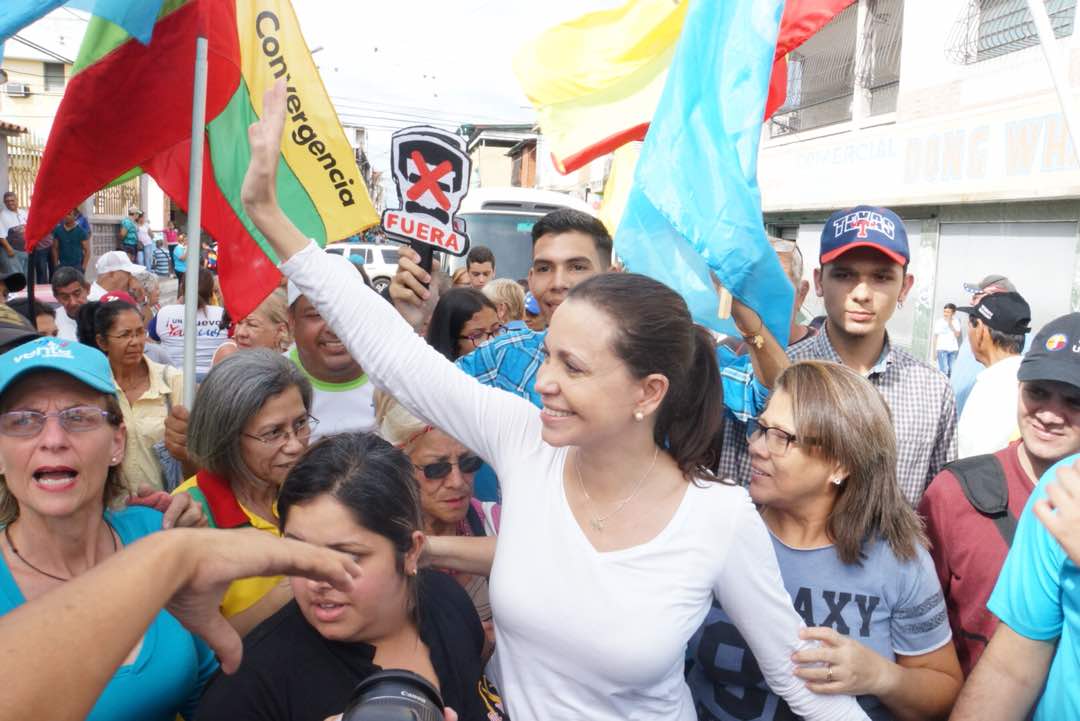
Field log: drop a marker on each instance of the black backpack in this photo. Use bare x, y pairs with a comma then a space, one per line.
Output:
982, 479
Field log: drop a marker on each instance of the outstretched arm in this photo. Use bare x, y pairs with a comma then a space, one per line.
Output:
102, 614
497, 425
768, 358
1007, 680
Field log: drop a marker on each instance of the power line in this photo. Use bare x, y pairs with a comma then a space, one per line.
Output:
34, 46
407, 109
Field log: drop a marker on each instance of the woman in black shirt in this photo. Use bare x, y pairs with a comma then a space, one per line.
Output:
354, 493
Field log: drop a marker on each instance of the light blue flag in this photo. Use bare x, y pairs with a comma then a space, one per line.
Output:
17, 14
137, 17
695, 203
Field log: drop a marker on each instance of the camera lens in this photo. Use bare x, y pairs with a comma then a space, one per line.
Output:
394, 695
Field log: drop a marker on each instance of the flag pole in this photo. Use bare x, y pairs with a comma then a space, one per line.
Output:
191, 274
1057, 70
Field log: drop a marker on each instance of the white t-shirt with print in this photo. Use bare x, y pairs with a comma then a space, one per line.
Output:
340, 407
169, 327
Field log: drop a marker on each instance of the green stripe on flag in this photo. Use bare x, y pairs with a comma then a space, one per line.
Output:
133, 173
230, 155
102, 37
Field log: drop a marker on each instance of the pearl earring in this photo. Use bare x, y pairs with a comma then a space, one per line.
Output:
837, 481
639, 416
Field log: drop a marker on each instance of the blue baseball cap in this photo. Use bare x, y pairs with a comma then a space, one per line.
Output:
79, 361
531, 306
864, 226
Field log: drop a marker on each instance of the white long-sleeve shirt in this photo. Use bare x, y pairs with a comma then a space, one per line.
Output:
580, 634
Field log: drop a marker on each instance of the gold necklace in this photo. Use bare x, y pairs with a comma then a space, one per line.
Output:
597, 522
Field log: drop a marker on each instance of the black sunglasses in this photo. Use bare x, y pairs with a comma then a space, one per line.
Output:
441, 469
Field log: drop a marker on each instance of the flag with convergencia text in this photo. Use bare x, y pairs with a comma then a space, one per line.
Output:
128, 106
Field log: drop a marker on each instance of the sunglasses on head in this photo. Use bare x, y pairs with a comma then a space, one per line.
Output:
441, 469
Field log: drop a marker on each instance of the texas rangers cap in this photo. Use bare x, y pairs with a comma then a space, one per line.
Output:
864, 226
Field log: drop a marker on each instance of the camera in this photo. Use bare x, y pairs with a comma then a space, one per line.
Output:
394, 695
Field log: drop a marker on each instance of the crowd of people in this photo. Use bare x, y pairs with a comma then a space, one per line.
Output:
563, 501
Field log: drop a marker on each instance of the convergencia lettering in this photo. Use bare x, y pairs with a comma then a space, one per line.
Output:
266, 23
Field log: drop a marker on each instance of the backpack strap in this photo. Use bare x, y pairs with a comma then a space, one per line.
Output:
982, 479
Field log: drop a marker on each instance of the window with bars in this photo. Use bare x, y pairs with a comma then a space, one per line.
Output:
992, 28
54, 76
826, 72
821, 77
879, 72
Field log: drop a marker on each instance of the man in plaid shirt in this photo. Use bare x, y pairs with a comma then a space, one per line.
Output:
863, 279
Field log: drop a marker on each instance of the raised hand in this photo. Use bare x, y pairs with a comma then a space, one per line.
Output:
413, 301
1060, 510
259, 191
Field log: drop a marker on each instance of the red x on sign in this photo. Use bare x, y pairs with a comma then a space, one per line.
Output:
429, 180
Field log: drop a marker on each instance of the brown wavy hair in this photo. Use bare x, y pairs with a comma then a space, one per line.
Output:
848, 423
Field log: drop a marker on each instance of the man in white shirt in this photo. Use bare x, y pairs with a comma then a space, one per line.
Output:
997, 326
72, 292
946, 339
12, 227
114, 272
343, 398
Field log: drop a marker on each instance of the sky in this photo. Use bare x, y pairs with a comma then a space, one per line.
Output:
439, 62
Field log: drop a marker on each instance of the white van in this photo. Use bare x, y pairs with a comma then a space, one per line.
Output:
502, 219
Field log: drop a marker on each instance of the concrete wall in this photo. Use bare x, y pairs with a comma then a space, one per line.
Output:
986, 132
37, 110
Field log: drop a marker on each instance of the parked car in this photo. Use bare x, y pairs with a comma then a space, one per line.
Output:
502, 219
379, 261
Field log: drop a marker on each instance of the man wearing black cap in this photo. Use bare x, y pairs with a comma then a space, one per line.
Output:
1033, 658
972, 506
965, 367
863, 279
997, 325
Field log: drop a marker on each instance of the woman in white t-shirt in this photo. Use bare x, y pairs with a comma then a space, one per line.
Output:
167, 327
946, 339
146, 241
614, 538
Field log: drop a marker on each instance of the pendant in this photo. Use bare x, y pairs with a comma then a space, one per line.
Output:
597, 524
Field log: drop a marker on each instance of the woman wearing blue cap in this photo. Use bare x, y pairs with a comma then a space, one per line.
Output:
62, 440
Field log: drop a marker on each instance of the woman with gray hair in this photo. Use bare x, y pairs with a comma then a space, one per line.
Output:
249, 426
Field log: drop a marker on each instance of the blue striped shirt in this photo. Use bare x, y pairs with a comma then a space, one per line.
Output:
511, 361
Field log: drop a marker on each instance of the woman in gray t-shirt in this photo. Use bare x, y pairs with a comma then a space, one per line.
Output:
853, 557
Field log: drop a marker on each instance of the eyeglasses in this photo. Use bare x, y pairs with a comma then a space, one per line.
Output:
301, 429
137, 333
25, 424
441, 469
481, 336
777, 440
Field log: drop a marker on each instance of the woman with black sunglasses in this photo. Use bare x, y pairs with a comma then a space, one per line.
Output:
444, 471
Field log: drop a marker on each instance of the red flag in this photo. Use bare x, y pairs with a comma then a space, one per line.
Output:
801, 19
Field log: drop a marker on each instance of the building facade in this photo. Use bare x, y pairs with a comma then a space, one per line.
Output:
946, 113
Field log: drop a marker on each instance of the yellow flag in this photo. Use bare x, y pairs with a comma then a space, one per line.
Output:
617, 188
595, 81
